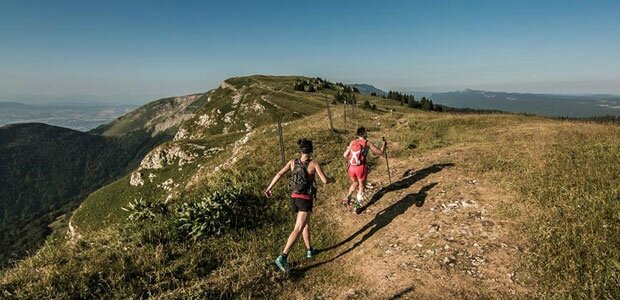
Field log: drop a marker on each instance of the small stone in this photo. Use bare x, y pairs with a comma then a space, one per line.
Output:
350, 293
511, 276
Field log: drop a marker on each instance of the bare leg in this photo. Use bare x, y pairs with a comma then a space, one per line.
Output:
354, 186
306, 233
300, 223
362, 187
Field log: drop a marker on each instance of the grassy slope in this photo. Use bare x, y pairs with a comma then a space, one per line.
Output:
565, 175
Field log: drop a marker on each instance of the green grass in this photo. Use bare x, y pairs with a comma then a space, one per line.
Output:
576, 240
102, 208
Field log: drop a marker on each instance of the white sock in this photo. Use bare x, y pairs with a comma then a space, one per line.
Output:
360, 196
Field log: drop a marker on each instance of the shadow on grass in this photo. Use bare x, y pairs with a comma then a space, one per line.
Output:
382, 219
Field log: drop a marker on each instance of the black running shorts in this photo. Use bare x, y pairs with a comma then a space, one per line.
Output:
298, 205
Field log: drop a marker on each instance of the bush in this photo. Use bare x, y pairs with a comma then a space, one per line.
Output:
229, 207
141, 210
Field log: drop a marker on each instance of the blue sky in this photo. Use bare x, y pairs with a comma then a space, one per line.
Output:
142, 50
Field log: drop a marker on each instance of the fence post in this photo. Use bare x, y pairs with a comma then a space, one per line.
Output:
329, 115
345, 115
281, 141
354, 116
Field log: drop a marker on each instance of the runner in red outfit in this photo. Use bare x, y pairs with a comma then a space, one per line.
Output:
357, 153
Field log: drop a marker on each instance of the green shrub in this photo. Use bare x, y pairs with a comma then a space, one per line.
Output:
229, 207
141, 210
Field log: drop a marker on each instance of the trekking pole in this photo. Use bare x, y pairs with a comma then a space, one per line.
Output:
386, 161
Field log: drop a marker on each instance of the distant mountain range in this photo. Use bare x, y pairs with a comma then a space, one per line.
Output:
554, 105
367, 89
539, 104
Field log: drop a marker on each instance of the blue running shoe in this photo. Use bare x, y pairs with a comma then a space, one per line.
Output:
282, 263
310, 252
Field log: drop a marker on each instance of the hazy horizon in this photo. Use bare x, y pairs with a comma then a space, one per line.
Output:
147, 50
132, 100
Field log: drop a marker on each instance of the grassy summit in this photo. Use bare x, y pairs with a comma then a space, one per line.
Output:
497, 206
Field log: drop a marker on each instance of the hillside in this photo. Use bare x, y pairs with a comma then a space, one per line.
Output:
46, 170
158, 117
480, 206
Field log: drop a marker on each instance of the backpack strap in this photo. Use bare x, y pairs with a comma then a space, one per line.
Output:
304, 164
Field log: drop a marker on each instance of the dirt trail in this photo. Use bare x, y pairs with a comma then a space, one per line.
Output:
435, 232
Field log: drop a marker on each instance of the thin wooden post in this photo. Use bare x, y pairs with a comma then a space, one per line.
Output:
281, 141
353, 105
345, 115
329, 114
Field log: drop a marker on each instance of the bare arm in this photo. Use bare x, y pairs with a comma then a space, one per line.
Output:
376, 150
324, 178
347, 152
276, 178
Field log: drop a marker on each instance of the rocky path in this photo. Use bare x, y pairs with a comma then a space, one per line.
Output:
435, 232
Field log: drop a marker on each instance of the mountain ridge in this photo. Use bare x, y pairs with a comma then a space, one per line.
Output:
367, 89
